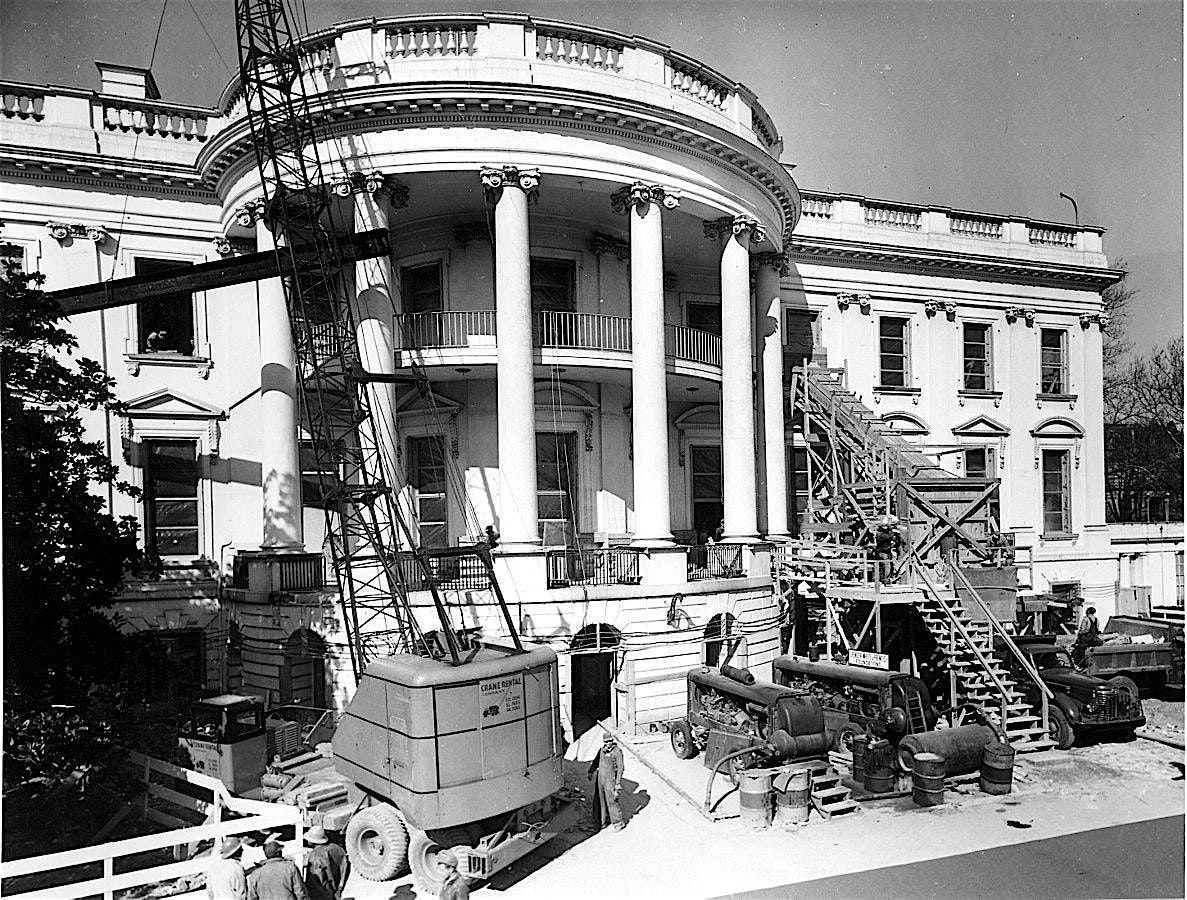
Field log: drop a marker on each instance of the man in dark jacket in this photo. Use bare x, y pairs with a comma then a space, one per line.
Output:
326, 866
608, 765
276, 878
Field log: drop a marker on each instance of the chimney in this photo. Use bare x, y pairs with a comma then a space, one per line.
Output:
127, 81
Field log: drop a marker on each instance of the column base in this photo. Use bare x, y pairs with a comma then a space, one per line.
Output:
296, 547
741, 539
779, 537
513, 547
648, 543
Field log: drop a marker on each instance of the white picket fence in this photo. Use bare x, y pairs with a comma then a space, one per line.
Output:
253, 815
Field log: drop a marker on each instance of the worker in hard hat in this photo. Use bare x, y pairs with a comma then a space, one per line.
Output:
608, 765
454, 886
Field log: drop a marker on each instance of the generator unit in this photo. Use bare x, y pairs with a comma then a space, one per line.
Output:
857, 699
729, 711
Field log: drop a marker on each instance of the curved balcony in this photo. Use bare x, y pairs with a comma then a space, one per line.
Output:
468, 337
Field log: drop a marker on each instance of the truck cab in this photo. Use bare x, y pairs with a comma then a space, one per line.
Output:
225, 738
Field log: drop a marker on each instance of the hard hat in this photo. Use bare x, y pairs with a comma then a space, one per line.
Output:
316, 835
230, 847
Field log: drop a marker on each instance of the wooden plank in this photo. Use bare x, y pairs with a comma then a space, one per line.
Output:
185, 801
207, 276
163, 818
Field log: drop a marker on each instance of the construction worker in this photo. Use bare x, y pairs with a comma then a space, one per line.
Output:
326, 866
224, 877
276, 878
608, 765
1088, 635
454, 887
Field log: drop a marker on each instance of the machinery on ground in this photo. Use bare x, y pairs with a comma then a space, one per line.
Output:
224, 737
857, 700
729, 713
1082, 704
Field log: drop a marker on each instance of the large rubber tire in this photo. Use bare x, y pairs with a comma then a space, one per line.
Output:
1126, 684
1059, 728
377, 842
683, 744
843, 741
422, 859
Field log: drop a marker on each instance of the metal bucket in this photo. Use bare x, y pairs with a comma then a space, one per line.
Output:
927, 779
754, 797
878, 775
793, 797
859, 756
997, 769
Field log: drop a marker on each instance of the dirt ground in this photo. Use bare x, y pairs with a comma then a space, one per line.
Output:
1164, 718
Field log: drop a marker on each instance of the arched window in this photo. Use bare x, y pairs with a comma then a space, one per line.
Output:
303, 674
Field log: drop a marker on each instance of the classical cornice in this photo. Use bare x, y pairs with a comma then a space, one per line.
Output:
95, 170
925, 261
395, 107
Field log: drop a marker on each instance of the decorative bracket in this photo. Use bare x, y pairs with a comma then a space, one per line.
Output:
641, 195
725, 226
863, 302
61, 231
605, 243
249, 213
1014, 313
495, 178
1101, 319
931, 307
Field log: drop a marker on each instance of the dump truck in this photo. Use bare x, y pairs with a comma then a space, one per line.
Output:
1146, 654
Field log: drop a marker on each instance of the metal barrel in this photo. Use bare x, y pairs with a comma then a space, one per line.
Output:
961, 747
878, 775
927, 779
793, 797
859, 756
754, 797
997, 769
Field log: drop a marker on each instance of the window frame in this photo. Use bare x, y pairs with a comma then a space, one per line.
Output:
883, 385
423, 262
574, 265
570, 498
988, 374
150, 499
693, 500
1066, 511
201, 357
1065, 374
413, 455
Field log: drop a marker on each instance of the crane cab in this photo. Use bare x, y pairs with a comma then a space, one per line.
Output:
226, 739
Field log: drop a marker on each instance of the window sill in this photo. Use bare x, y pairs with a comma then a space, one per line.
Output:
891, 391
969, 394
1057, 398
166, 359
1059, 536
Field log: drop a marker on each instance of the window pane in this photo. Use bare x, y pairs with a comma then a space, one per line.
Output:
975, 463
706, 459
892, 348
432, 509
165, 323
1053, 361
434, 536
1055, 492
554, 284
176, 541
176, 512
421, 287
703, 316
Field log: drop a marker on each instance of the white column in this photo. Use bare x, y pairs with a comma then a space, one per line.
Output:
739, 483
280, 464
510, 189
374, 315
649, 379
770, 309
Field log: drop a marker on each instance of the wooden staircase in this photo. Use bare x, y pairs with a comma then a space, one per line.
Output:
980, 675
829, 797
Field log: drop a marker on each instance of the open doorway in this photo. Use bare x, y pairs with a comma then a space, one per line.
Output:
593, 668
303, 675
724, 643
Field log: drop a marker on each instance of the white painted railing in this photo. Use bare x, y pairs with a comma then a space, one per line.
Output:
76, 869
432, 39
1054, 237
149, 117
693, 345
985, 229
578, 48
816, 207
893, 217
454, 328
699, 83
22, 104
582, 331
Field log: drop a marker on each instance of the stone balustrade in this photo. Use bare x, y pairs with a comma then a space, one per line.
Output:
860, 217
21, 102
152, 118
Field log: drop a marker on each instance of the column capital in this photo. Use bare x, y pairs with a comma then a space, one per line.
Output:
734, 225
229, 246
61, 231
772, 259
641, 195
247, 214
605, 243
495, 178
375, 182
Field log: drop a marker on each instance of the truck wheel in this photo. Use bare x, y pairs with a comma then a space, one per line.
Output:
422, 859
683, 744
1126, 684
377, 842
843, 742
1059, 728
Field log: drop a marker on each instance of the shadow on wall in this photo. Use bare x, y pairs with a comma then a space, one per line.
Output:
287, 493
801, 325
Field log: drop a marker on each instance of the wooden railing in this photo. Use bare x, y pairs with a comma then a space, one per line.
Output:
91, 871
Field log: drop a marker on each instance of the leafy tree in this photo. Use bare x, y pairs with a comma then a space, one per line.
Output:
64, 555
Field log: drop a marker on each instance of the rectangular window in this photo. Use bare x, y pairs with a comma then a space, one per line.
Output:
420, 288
978, 363
165, 324
981, 462
316, 481
797, 484
171, 497
12, 258
708, 508
1053, 361
703, 317
892, 352
556, 488
426, 475
554, 285
1057, 516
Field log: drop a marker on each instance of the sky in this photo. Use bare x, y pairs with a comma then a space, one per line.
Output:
996, 107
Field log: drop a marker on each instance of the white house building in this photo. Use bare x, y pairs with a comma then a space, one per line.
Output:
606, 270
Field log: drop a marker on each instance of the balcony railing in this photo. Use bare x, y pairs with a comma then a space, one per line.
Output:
582, 331
562, 330
618, 565
693, 345
453, 573
706, 561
